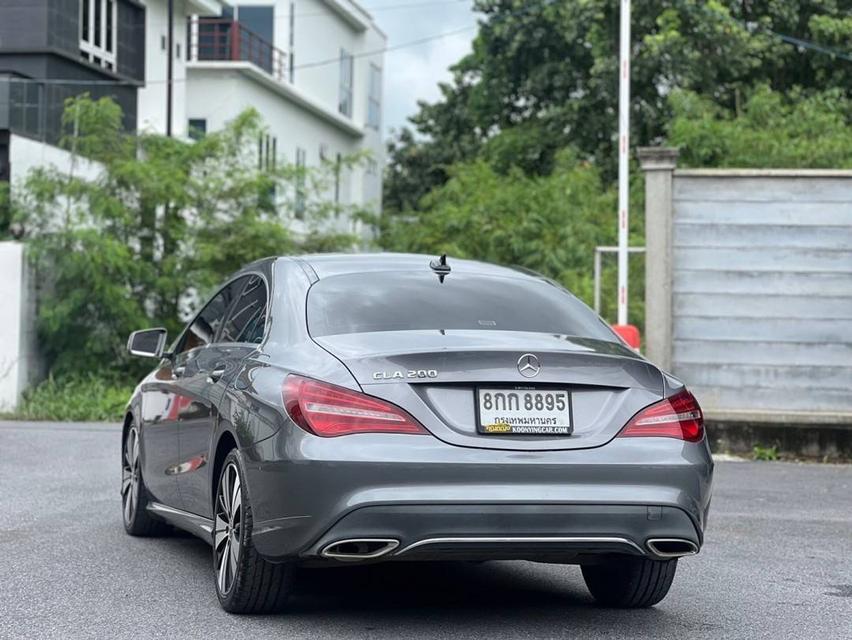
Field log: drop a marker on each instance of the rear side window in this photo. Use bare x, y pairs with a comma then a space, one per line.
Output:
248, 317
203, 328
391, 301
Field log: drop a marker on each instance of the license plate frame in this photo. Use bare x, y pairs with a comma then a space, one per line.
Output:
529, 430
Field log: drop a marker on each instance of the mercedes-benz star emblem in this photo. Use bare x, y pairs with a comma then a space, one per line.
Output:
528, 365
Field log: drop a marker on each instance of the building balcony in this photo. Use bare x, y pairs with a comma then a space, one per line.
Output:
219, 44
226, 40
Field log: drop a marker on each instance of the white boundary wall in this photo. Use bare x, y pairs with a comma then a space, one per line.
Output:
19, 363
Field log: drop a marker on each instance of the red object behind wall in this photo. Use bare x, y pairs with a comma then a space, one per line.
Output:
629, 334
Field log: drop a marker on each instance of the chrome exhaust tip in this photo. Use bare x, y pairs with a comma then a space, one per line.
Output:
671, 547
356, 549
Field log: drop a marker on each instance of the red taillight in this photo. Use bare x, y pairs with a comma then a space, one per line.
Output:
676, 417
328, 410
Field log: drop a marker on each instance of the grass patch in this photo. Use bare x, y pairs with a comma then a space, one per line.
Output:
766, 454
81, 399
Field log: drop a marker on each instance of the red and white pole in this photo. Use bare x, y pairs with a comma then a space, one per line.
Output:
623, 160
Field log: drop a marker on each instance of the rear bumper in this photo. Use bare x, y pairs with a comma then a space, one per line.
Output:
438, 501
559, 533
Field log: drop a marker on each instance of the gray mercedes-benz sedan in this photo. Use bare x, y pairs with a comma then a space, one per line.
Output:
345, 409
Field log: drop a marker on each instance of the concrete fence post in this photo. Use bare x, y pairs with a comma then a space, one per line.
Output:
658, 164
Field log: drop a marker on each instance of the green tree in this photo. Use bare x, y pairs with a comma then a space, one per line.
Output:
772, 130
550, 224
543, 75
144, 225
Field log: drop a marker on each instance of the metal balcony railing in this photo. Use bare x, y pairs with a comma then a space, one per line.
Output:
225, 40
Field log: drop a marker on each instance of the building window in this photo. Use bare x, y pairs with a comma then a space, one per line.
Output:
372, 167
301, 196
374, 100
267, 150
347, 72
98, 29
338, 169
292, 52
267, 162
197, 128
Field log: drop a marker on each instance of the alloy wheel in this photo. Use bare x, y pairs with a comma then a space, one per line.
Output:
227, 532
130, 475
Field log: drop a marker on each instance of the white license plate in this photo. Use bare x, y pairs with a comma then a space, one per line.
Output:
523, 411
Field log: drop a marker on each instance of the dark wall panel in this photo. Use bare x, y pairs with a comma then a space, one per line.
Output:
23, 24
63, 20
131, 41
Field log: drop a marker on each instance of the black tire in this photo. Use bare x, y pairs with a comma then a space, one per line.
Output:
630, 582
246, 583
138, 521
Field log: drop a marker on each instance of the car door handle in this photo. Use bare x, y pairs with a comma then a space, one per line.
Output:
214, 376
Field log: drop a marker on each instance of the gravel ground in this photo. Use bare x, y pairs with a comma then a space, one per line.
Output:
777, 564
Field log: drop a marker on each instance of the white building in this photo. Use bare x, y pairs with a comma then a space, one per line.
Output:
311, 68
151, 113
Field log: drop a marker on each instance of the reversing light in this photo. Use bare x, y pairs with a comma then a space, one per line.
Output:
328, 410
678, 417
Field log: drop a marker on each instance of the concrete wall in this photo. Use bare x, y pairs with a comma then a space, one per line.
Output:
26, 154
19, 364
749, 292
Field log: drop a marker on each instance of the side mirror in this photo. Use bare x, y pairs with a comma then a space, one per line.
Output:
148, 343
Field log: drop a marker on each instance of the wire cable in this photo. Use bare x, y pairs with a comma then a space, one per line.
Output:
374, 52
790, 40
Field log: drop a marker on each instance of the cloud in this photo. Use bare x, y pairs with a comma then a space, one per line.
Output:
413, 73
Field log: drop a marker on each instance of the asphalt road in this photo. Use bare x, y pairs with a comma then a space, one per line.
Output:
777, 564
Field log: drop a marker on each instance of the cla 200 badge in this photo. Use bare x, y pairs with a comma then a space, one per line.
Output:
402, 375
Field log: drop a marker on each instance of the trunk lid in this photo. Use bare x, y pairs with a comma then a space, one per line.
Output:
434, 375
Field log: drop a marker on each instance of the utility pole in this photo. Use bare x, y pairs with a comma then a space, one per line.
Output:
623, 160
170, 68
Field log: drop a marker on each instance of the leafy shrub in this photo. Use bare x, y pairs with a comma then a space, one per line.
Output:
766, 454
75, 399
550, 224
772, 129
152, 227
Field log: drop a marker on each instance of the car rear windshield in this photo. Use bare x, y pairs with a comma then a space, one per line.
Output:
400, 301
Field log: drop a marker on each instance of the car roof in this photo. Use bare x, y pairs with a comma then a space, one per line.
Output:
334, 264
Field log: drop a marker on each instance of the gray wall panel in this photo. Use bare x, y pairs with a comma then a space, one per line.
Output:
712, 352
782, 259
762, 291
763, 329
770, 401
732, 188
759, 305
699, 234
796, 379
687, 280
782, 212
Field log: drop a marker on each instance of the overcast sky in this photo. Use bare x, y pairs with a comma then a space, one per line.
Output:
413, 73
